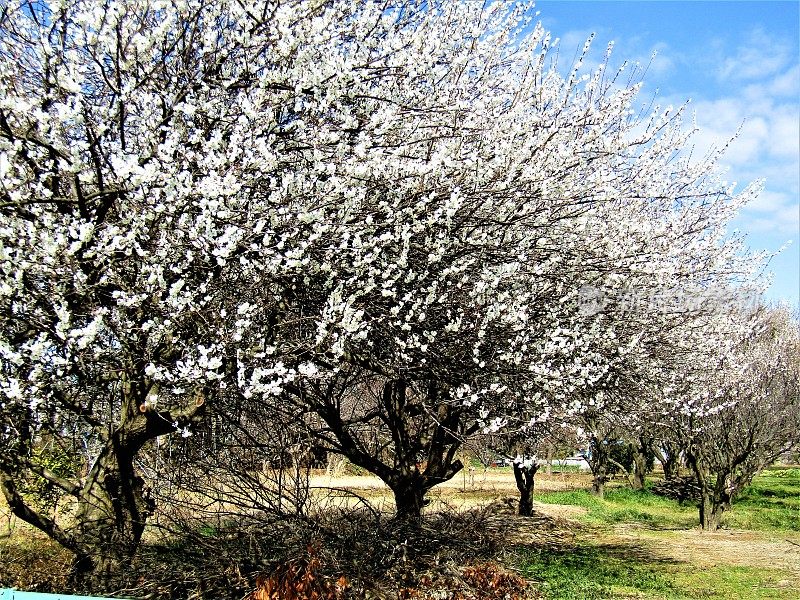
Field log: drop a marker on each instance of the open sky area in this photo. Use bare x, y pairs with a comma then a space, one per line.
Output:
739, 64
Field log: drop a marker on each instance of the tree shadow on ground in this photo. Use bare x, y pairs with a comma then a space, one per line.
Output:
566, 564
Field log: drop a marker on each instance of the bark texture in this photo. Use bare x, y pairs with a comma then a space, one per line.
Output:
525, 477
111, 503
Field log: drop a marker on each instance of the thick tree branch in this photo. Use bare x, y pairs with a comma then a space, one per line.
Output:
23, 511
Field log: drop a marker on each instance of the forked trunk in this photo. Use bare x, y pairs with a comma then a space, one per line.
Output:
525, 478
671, 467
425, 437
111, 504
711, 511
714, 496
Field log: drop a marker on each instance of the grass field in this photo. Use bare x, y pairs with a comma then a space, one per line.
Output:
638, 545
772, 502
610, 571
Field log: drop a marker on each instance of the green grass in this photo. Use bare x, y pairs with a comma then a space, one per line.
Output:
623, 505
589, 569
595, 572
771, 503
733, 582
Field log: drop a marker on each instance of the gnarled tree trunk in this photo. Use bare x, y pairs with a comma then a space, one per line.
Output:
111, 504
409, 498
640, 449
113, 508
711, 510
598, 463
599, 481
423, 440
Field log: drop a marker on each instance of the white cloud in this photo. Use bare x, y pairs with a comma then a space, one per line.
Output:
769, 131
745, 82
784, 133
571, 43
784, 222
787, 84
760, 101
661, 64
752, 89
769, 201
760, 56
773, 211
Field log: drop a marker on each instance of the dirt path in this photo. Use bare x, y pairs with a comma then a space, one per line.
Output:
739, 548
493, 480
461, 492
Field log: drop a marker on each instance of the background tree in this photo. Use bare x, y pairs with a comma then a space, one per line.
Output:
668, 453
525, 449
744, 415
643, 457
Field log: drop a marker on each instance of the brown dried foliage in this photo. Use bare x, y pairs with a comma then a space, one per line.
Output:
300, 579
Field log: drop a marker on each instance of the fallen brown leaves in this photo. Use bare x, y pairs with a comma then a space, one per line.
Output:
300, 579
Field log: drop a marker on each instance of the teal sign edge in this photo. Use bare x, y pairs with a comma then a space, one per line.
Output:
8, 594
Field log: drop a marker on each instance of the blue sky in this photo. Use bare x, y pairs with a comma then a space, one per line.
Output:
739, 63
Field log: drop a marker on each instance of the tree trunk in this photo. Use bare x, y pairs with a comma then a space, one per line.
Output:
640, 466
711, 511
424, 442
599, 481
671, 467
111, 502
113, 508
409, 499
638, 476
598, 462
720, 502
669, 457
714, 499
525, 478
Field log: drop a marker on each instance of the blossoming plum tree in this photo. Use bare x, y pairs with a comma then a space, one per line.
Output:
389, 215
460, 271
740, 412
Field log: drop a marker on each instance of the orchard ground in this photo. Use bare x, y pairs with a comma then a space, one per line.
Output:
628, 545
755, 555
